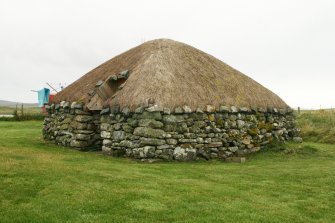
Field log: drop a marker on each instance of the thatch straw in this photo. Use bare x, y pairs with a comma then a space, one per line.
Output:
174, 74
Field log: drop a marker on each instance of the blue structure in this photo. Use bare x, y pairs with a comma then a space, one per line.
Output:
43, 96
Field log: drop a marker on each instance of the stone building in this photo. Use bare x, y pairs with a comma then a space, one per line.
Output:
167, 100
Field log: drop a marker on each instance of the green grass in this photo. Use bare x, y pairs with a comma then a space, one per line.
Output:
317, 126
29, 113
26, 110
40, 182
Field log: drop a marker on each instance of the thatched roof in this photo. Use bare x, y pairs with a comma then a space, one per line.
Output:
173, 74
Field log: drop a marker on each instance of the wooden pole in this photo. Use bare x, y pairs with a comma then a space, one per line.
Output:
52, 87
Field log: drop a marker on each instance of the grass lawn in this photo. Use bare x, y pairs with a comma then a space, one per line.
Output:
27, 110
40, 182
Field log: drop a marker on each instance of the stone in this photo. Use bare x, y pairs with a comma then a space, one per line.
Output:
151, 115
127, 128
84, 132
224, 109
182, 154
297, 139
115, 109
171, 141
189, 135
78, 106
139, 110
250, 146
202, 154
178, 110
197, 126
279, 132
214, 144
105, 127
176, 127
79, 126
64, 126
81, 112
173, 118
262, 110
245, 109
214, 155
113, 77
83, 118
126, 111
210, 108
199, 110
211, 135
268, 135
214, 150
66, 104
216, 130
187, 109
211, 117
118, 135
240, 124
166, 111
149, 132
151, 142
234, 109
233, 149
79, 144
127, 143
153, 108
123, 74
99, 83
106, 150
73, 104
132, 122
165, 147
158, 152
107, 142
67, 121
232, 117
187, 140
236, 159
82, 137
119, 118
117, 126
200, 140
168, 136
246, 141
105, 134
149, 151
150, 123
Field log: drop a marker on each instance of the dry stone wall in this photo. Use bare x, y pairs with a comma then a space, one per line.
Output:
69, 125
185, 135
181, 134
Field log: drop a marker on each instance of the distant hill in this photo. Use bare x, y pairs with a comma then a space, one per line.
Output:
4, 103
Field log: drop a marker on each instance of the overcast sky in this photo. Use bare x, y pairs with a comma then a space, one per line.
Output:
288, 46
